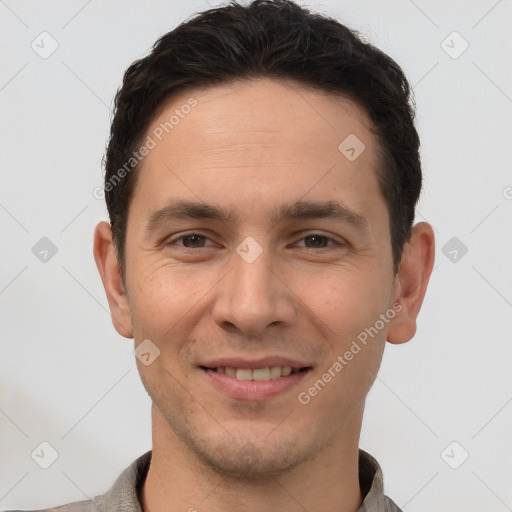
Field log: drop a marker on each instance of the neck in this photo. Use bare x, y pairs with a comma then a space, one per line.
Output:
177, 478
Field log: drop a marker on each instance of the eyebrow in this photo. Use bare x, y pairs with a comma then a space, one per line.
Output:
184, 209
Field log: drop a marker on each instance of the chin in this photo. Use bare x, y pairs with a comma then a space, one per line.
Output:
244, 449
251, 460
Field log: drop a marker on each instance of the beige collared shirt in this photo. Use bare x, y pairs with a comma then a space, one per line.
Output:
123, 495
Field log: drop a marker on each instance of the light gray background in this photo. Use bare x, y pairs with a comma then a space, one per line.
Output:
66, 376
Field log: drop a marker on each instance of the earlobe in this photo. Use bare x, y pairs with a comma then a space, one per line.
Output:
108, 267
413, 276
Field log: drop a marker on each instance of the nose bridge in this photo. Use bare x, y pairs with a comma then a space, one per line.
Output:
252, 296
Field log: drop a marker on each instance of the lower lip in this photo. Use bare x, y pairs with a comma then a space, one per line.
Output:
253, 390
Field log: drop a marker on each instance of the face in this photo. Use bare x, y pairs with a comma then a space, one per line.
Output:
254, 242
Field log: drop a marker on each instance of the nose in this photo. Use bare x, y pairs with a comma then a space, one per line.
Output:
253, 296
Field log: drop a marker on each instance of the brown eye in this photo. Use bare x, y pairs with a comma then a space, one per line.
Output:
192, 241
317, 241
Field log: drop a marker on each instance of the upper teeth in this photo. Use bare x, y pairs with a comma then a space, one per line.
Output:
258, 374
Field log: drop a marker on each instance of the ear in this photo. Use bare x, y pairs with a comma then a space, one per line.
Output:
413, 276
108, 267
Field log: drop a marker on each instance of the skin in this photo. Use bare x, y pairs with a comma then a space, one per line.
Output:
251, 147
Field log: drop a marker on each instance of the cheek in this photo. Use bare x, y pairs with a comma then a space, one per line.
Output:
346, 300
162, 299
350, 306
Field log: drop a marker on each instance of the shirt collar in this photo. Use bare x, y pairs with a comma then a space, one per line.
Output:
123, 495
371, 483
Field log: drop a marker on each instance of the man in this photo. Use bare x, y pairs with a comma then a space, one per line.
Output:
261, 180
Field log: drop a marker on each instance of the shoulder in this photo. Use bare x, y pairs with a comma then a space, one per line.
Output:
77, 506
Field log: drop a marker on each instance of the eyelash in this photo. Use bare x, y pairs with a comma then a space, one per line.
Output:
328, 238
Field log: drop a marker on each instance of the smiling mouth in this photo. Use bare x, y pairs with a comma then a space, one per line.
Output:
257, 374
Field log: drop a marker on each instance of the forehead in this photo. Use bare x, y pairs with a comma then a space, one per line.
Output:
302, 116
261, 137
